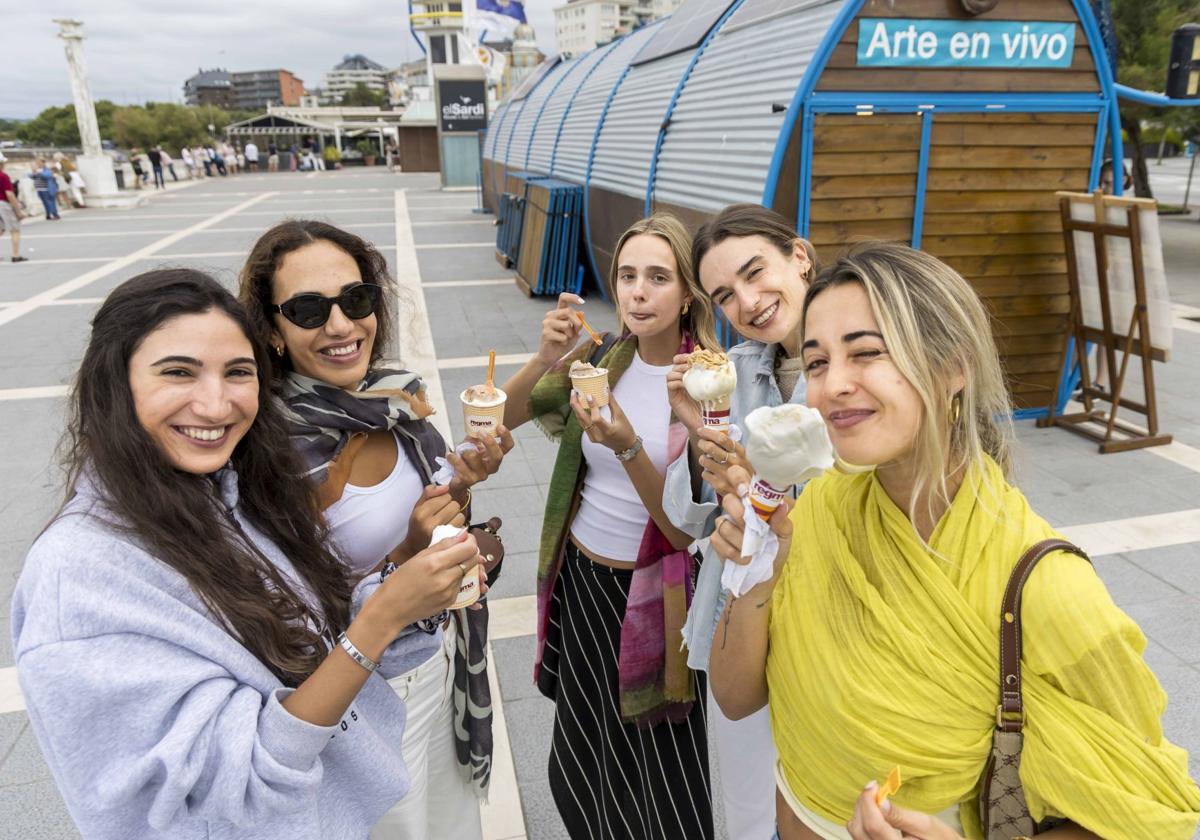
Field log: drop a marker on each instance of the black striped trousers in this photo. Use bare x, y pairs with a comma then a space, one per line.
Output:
612, 780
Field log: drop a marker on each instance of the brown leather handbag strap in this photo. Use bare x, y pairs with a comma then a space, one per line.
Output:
1010, 714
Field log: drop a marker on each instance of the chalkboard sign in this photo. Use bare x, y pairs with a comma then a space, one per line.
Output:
462, 104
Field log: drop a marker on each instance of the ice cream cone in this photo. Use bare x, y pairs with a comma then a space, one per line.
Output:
716, 414
594, 385
468, 592
764, 497
483, 413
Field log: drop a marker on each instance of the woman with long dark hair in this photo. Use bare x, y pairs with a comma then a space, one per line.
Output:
755, 269
194, 658
321, 297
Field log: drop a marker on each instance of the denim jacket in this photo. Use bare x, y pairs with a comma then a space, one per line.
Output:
756, 387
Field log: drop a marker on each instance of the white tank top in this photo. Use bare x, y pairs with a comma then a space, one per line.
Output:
368, 522
611, 518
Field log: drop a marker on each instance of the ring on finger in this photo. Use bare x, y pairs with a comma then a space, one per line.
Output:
463, 566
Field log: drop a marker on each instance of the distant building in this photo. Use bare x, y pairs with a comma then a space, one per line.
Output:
581, 25
525, 54
355, 70
256, 89
209, 87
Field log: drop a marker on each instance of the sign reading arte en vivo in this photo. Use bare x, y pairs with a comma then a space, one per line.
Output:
896, 42
463, 104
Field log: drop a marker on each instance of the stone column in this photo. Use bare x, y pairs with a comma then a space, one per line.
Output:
95, 167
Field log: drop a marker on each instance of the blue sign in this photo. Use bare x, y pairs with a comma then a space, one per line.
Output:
896, 42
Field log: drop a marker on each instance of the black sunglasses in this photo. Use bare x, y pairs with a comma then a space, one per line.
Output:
309, 311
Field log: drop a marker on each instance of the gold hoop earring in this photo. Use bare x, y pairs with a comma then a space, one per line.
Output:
955, 409
686, 305
279, 351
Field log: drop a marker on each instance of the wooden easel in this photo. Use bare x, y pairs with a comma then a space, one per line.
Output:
1101, 424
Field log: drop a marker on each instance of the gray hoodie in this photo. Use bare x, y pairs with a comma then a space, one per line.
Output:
157, 723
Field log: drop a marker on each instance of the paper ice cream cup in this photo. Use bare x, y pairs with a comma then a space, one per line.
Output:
715, 414
765, 497
595, 386
480, 419
469, 590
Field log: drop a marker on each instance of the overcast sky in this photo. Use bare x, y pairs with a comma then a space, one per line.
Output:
139, 50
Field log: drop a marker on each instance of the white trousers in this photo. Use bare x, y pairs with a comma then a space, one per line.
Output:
440, 804
746, 757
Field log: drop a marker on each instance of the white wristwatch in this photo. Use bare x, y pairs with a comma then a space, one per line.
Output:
629, 454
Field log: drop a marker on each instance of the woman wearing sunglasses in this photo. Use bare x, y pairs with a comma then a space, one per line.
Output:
195, 661
319, 296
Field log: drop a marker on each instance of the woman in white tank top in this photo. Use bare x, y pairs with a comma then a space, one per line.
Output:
320, 297
629, 756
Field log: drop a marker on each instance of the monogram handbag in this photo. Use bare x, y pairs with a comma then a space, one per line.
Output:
1003, 811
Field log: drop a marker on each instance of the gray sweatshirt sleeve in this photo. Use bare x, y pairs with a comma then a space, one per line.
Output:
694, 518
125, 714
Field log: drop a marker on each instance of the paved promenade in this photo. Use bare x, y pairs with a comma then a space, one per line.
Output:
1138, 513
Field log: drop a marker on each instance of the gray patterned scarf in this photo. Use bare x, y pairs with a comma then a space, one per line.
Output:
322, 418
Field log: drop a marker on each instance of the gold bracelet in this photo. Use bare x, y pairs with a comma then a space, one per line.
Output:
467, 503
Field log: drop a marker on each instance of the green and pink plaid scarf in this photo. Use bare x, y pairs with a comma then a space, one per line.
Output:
654, 682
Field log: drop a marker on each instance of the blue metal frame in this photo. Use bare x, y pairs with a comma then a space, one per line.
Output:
1158, 100
495, 159
804, 194
683, 79
587, 177
571, 102
879, 102
524, 102
811, 73
541, 110
922, 177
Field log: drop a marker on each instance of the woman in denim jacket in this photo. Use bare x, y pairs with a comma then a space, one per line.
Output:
756, 269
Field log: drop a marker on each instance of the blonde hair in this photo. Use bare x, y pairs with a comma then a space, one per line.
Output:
699, 319
935, 327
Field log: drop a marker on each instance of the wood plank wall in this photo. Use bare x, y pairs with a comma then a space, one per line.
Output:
990, 212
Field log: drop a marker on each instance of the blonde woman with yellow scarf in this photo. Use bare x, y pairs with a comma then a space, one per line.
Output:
877, 641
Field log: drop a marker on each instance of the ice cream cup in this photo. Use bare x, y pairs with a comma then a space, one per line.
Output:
715, 414
765, 497
469, 591
594, 385
481, 419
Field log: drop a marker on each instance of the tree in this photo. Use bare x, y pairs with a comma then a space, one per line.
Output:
1143, 48
56, 126
361, 95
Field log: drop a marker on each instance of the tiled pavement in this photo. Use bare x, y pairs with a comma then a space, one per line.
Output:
1155, 577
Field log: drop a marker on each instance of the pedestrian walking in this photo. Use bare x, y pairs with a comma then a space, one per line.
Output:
230, 156
251, 152
46, 186
889, 636
76, 186
272, 156
373, 459
10, 212
204, 158
215, 639
751, 263
293, 157
168, 163
629, 749
156, 164
218, 160
189, 162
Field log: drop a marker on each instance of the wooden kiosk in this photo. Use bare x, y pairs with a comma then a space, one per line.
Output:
946, 124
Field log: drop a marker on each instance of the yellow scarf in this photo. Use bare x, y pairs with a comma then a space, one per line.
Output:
885, 653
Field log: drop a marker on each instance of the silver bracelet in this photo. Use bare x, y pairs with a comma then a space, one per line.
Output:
629, 454
356, 654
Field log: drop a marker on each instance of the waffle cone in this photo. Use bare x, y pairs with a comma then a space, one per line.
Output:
715, 414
